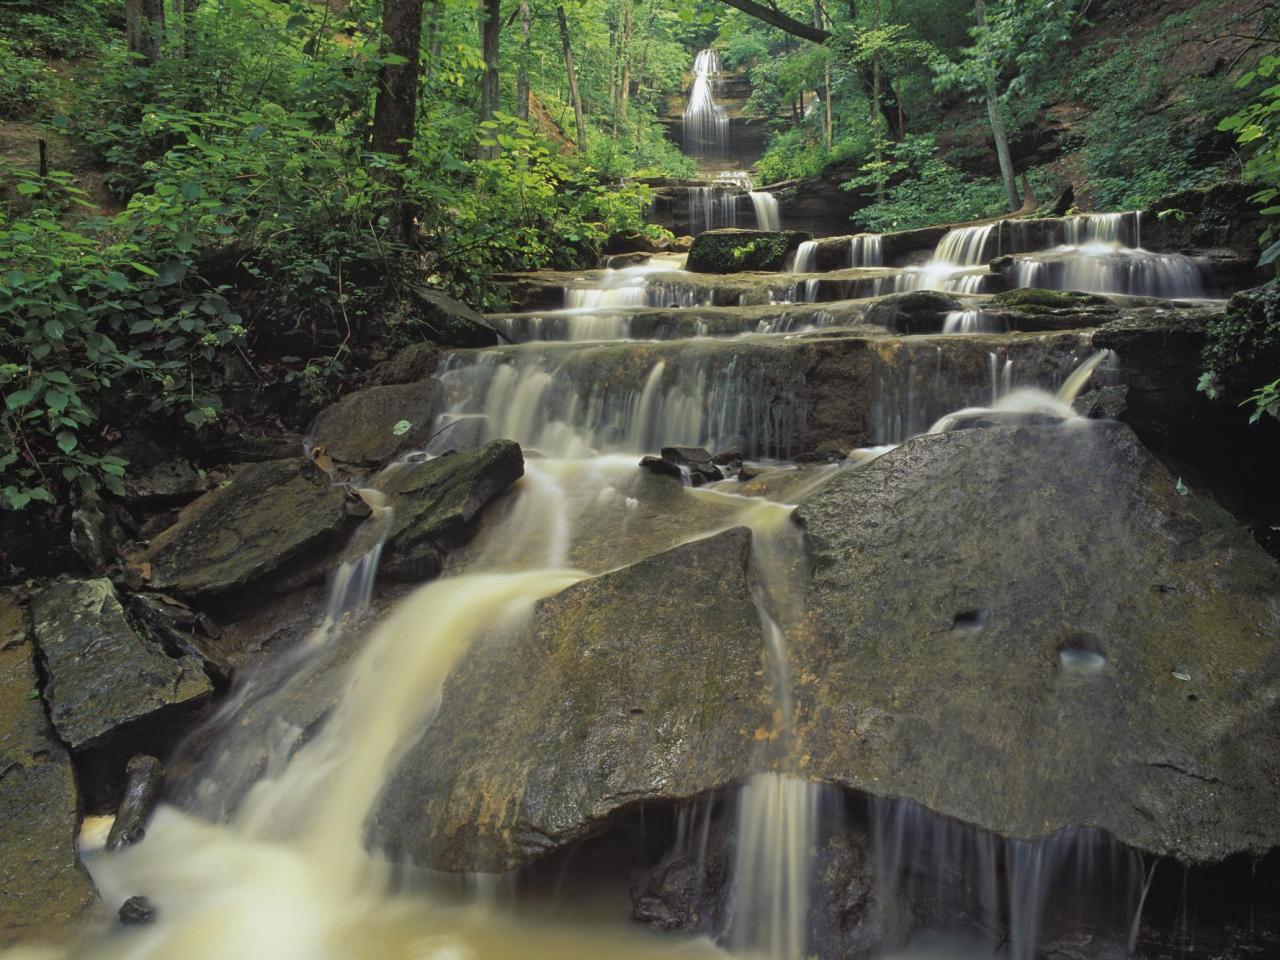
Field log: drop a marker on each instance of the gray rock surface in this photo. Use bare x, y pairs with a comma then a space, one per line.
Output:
1027, 629
269, 514
649, 683
371, 427
43, 887
102, 676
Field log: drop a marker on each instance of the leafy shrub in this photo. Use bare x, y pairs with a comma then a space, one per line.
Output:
1242, 346
23, 82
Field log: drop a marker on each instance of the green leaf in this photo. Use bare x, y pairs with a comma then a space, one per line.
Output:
56, 400
19, 398
1270, 255
401, 428
67, 441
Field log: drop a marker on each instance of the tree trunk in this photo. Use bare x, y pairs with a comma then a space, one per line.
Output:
997, 125
144, 29
875, 103
819, 21
490, 34
396, 104
522, 70
573, 78
624, 88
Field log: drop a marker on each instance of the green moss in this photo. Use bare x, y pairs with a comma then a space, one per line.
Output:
733, 251
1051, 299
1242, 346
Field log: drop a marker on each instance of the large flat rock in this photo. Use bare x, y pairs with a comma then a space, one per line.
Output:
370, 427
268, 515
1028, 629
645, 684
43, 887
103, 678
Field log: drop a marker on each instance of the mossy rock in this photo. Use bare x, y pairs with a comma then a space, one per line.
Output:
1031, 298
734, 251
1242, 345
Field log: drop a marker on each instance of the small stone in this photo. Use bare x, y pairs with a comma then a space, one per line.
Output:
662, 467
137, 911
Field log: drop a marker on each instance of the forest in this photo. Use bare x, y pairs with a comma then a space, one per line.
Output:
245, 194
646, 479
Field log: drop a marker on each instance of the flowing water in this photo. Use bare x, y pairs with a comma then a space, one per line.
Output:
706, 125
768, 213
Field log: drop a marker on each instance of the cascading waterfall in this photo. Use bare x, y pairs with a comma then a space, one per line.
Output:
768, 214
806, 258
706, 125
866, 250
715, 205
969, 321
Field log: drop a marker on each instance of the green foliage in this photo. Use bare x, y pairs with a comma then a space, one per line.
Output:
1257, 130
922, 189
1240, 345
98, 316
23, 81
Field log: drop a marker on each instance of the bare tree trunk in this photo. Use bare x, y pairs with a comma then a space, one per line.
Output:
144, 28
395, 107
573, 78
819, 21
997, 125
490, 34
624, 88
522, 69
875, 102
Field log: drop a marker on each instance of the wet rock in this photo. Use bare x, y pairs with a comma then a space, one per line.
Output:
696, 461
682, 244
269, 515
141, 791
649, 683
748, 472
415, 362
620, 260
371, 427
662, 467
630, 243
137, 911
180, 631
448, 322
108, 689
920, 311
936, 662
43, 887
94, 533
436, 505
156, 476
733, 251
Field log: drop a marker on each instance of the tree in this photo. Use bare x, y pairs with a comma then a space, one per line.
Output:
490, 37
396, 102
144, 28
522, 63
1012, 41
579, 122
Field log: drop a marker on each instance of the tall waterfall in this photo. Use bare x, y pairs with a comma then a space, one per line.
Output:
706, 125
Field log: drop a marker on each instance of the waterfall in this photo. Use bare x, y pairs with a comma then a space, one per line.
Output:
712, 207
806, 259
772, 871
768, 215
706, 126
866, 250
964, 246
969, 321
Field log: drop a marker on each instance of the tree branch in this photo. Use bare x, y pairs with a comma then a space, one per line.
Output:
776, 18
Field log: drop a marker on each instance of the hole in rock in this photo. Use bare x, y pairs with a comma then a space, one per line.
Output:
970, 620
1082, 654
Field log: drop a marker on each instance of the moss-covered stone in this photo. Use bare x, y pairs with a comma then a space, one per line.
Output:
268, 515
1242, 344
733, 251
951, 576
43, 887
646, 684
1030, 298
371, 427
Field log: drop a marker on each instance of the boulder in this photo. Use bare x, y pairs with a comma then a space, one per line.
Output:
694, 461
43, 887
1030, 629
156, 476
415, 362
108, 689
920, 311
449, 322
650, 683
662, 467
373, 426
268, 515
733, 251
435, 505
